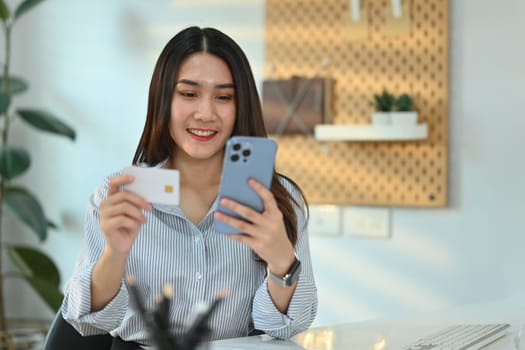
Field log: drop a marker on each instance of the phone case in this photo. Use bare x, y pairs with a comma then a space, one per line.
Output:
245, 157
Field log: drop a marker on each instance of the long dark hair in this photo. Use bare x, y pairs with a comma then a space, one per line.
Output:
156, 144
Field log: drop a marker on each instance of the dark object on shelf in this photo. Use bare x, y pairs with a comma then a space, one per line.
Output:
296, 105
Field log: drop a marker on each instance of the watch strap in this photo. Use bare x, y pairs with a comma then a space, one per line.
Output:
290, 277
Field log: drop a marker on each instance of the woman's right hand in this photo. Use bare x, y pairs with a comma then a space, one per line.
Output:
121, 215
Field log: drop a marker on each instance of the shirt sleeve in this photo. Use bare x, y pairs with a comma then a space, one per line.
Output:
76, 307
303, 305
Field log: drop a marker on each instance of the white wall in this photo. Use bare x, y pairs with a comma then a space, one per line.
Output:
90, 62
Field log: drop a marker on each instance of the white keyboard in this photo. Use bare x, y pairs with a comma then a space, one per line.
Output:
461, 337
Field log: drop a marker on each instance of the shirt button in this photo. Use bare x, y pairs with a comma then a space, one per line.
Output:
197, 239
198, 276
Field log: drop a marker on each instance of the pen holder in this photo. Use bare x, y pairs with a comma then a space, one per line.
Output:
158, 323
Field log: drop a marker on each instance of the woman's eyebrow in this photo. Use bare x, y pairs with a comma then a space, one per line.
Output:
218, 86
188, 82
225, 86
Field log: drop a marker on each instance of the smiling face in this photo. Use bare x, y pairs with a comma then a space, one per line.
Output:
202, 108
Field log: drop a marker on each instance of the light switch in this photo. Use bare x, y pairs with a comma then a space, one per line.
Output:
367, 222
325, 220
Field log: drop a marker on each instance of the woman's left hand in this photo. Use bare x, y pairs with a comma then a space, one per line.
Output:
265, 232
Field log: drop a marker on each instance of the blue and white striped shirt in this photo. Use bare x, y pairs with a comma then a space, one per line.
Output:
199, 263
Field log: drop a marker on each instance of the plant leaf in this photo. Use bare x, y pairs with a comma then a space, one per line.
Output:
51, 225
5, 101
39, 271
48, 292
4, 11
46, 122
28, 209
34, 263
16, 85
25, 6
13, 161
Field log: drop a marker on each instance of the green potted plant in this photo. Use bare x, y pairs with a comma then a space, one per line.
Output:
404, 111
384, 104
31, 264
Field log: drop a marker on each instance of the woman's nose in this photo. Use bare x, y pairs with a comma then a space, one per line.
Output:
205, 110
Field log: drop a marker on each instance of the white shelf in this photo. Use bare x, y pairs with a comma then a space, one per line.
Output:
372, 132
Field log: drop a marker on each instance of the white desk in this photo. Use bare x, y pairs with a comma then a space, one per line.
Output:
391, 334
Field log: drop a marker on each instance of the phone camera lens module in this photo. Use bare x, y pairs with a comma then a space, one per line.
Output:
236, 146
246, 152
234, 157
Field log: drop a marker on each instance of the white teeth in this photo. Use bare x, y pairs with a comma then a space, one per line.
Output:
202, 133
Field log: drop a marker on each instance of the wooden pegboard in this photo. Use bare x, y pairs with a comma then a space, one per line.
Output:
301, 34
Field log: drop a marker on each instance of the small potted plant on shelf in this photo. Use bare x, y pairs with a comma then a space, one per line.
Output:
384, 104
404, 111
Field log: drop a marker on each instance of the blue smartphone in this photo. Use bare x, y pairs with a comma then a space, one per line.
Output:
245, 157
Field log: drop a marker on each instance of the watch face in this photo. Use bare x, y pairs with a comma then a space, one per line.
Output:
293, 275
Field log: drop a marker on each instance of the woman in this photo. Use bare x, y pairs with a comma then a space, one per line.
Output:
202, 92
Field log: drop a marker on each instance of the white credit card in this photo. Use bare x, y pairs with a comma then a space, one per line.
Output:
156, 185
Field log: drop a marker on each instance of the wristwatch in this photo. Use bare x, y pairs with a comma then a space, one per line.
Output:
290, 277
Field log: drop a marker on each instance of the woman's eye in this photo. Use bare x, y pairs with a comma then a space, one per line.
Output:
187, 94
225, 97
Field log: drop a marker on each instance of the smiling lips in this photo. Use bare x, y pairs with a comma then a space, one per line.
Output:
202, 134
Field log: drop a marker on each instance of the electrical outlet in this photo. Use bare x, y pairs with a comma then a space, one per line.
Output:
324, 220
367, 222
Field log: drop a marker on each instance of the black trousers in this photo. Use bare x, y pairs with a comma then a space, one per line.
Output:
119, 344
